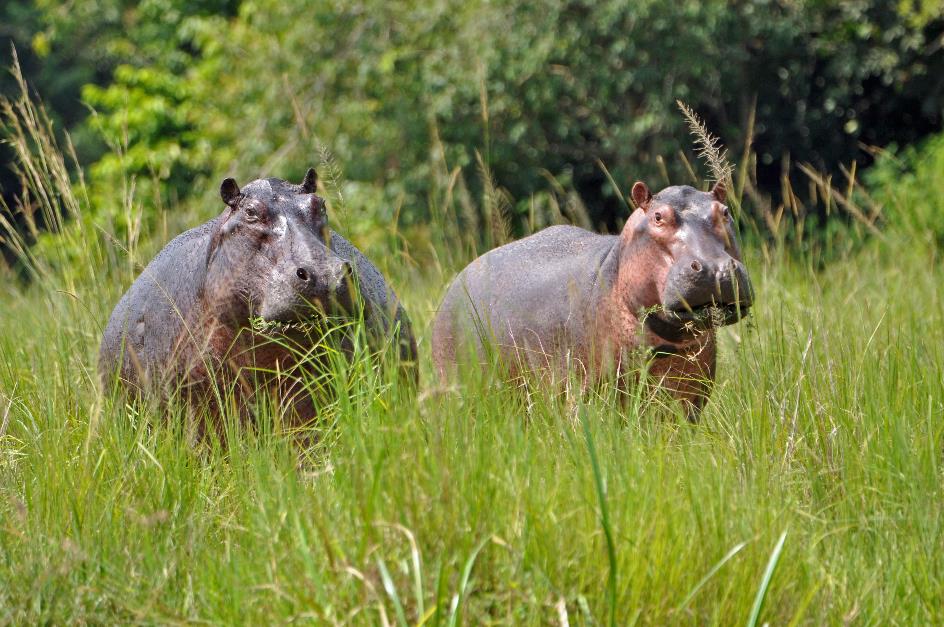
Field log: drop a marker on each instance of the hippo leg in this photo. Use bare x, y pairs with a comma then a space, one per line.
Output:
688, 377
693, 407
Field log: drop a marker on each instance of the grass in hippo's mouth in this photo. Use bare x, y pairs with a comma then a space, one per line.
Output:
262, 325
709, 312
712, 310
322, 325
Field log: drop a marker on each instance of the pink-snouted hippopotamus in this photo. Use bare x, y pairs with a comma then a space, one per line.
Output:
246, 297
565, 299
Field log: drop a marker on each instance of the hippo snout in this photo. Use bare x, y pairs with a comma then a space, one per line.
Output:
313, 282
328, 285
732, 284
306, 290
695, 284
342, 288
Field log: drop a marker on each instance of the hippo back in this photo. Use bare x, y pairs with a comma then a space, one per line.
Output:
528, 297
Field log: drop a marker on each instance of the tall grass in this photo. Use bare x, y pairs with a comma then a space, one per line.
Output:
472, 502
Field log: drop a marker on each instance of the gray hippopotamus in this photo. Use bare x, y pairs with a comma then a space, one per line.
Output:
565, 298
246, 293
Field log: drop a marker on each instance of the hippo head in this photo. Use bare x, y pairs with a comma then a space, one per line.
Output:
269, 257
691, 270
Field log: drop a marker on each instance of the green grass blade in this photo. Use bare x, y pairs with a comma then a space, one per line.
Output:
391, 591
711, 573
417, 577
464, 582
765, 582
604, 517
805, 604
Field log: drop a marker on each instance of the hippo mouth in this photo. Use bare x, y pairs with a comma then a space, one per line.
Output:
678, 321
296, 319
315, 321
710, 314
261, 325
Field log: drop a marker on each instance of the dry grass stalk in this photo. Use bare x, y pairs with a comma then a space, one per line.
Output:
709, 146
847, 203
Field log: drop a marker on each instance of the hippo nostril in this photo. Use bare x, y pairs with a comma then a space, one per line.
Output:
302, 274
696, 266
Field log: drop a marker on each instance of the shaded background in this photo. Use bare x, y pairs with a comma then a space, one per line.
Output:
399, 94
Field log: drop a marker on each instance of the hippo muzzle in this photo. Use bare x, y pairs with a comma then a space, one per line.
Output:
718, 291
301, 291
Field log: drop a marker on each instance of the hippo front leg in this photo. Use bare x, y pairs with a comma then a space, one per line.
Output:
693, 406
691, 392
687, 375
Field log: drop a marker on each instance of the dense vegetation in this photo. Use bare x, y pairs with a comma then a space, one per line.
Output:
403, 92
809, 494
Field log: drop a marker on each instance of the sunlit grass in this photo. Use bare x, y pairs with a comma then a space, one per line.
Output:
475, 500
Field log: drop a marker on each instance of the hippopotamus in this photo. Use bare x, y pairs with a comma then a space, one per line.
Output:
567, 300
247, 293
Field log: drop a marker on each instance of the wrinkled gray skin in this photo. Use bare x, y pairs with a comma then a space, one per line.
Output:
184, 325
569, 300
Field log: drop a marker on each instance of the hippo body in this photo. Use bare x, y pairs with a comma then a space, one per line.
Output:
566, 300
543, 311
185, 326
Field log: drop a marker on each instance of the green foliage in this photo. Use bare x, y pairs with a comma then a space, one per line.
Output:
907, 185
57, 73
556, 86
147, 123
404, 92
921, 12
141, 141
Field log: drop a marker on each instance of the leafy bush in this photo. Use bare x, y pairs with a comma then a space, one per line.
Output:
149, 130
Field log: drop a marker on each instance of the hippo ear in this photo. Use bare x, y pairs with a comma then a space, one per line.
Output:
641, 195
310, 184
229, 192
719, 191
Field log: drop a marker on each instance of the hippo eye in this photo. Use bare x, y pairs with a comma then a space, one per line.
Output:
725, 212
252, 214
658, 217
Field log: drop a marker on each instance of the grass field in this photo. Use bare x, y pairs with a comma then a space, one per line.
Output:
810, 493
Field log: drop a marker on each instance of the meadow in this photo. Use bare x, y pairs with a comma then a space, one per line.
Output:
809, 493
